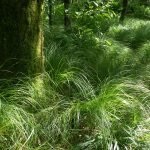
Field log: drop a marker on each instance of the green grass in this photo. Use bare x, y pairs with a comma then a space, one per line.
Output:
118, 116
93, 95
132, 33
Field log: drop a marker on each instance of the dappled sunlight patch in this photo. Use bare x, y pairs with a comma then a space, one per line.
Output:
17, 127
133, 33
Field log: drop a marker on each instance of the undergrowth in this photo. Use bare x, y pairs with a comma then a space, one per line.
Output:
93, 95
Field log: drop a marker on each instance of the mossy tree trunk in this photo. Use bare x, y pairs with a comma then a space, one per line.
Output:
20, 37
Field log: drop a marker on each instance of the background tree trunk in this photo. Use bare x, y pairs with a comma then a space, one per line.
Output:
50, 12
124, 5
67, 22
20, 37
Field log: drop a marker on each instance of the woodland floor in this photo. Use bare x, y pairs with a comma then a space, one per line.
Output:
94, 95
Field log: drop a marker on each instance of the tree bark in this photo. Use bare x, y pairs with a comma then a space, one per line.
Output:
124, 5
67, 22
21, 38
50, 12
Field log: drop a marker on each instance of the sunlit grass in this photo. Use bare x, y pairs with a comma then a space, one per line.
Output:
118, 116
94, 94
132, 33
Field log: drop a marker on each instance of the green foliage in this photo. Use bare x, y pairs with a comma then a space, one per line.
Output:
141, 11
95, 16
94, 92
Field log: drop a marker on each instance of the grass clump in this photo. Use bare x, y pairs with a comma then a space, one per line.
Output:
133, 33
117, 117
17, 128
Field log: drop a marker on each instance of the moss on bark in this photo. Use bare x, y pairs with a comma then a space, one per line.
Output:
20, 37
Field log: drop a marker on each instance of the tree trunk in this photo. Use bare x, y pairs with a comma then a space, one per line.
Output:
67, 22
21, 38
124, 5
50, 12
